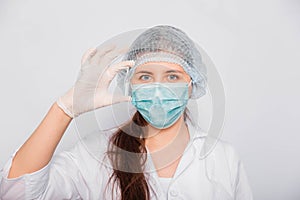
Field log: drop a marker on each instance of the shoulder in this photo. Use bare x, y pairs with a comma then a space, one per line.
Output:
222, 164
227, 148
224, 151
216, 147
235, 172
225, 154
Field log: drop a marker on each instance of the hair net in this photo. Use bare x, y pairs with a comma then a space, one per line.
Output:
168, 44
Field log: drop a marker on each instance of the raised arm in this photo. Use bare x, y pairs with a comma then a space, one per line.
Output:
37, 151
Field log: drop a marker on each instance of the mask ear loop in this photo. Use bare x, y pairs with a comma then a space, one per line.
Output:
190, 83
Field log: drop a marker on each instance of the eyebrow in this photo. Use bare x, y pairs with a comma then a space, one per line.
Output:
144, 72
172, 71
169, 71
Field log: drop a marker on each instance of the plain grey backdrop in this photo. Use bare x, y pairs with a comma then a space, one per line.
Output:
254, 44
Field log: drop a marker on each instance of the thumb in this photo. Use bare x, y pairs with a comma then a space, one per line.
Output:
111, 71
88, 54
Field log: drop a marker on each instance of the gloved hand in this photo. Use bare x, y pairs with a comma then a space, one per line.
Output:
90, 90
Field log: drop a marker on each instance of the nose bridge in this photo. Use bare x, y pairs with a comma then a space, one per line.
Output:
157, 94
158, 77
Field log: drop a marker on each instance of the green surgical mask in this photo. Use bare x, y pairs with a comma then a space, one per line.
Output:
160, 104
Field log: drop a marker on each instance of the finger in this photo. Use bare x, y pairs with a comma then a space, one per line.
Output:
111, 71
111, 55
122, 65
102, 51
114, 69
88, 54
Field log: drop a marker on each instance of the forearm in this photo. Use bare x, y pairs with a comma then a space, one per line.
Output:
38, 150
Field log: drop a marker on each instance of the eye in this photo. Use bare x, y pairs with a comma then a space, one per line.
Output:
145, 77
173, 77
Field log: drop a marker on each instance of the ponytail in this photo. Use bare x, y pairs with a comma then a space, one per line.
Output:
128, 167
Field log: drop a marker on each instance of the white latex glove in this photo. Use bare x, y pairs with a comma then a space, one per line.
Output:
90, 90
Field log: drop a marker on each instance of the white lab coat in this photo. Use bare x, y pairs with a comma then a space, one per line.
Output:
79, 174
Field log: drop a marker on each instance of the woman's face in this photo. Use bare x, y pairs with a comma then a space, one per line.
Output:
162, 72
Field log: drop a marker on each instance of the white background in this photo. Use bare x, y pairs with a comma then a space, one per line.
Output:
254, 44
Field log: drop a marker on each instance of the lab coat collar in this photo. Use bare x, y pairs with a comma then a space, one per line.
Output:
192, 151
195, 130
203, 143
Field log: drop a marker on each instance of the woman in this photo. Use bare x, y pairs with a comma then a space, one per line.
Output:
154, 156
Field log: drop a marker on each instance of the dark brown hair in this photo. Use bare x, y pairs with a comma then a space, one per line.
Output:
127, 166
